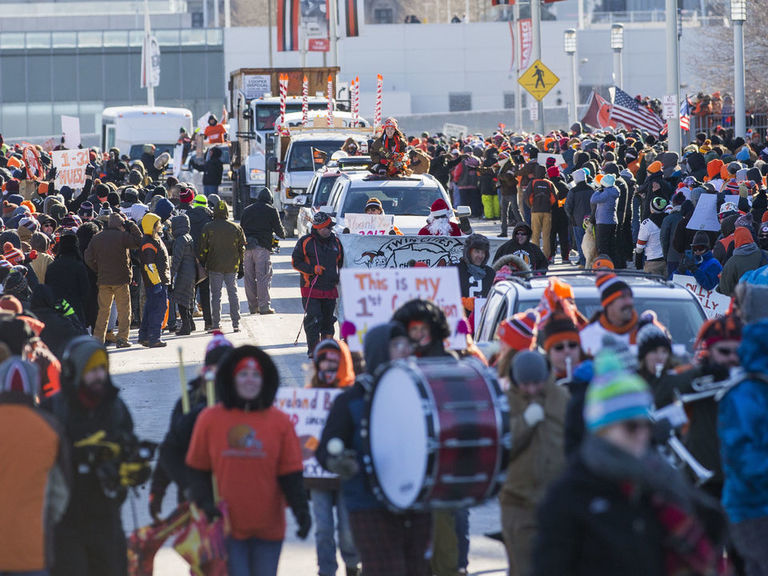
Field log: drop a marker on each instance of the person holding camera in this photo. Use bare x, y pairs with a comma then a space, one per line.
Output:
108, 255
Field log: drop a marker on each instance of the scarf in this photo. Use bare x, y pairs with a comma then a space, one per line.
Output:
476, 271
619, 329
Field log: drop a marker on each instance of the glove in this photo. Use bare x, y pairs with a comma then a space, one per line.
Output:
344, 465
304, 520
533, 414
638, 260
155, 505
319, 270
134, 473
240, 271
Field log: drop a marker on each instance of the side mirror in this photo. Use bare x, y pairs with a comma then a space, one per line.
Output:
272, 164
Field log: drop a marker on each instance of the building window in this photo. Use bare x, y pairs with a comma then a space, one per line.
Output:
383, 16
509, 100
459, 101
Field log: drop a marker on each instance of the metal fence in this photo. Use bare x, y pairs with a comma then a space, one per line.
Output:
757, 122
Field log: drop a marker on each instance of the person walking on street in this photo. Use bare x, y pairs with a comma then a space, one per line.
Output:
260, 221
507, 177
540, 197
199, 215
108, 255
183, 271
605, 216
649, 241
577, 207
319, 257
222, 246
156, 278
213, 172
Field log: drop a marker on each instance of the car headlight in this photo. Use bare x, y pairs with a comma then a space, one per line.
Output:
257, 175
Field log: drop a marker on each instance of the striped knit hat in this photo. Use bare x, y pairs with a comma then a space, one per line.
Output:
519, 331
615, 394
611, 287
13, 255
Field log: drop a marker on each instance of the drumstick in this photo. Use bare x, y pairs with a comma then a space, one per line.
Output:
183, 382
335, 446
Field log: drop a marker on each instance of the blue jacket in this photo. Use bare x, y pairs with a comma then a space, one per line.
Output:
743, 431
758, 276
605, 201
707, 272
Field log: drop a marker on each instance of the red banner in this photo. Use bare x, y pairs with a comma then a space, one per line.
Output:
526, 43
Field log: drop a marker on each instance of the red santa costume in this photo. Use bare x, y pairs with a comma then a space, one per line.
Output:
439, 222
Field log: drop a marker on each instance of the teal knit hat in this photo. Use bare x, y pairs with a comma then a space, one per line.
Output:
615, 394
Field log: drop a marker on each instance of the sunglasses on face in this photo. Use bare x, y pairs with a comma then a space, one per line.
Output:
563, 345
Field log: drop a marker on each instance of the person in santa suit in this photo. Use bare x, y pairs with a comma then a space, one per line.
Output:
439, 221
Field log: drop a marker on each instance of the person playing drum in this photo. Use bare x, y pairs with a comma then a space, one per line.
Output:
388, 543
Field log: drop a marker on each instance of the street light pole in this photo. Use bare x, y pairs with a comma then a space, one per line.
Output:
738, 17
617, 44
569, 42
673, 77
518, 89
536, 25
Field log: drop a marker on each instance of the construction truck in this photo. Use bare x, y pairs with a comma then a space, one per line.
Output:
254, 104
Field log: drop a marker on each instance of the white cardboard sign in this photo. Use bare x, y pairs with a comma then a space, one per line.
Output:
370, 297
455, 130
70, 128
70, 167
369, 224
705, 214
308, 410
714, 303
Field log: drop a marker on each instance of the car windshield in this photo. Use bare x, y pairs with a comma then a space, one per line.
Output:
398, 201
302, 154
138, 149
323, 190
683, 318
267, 114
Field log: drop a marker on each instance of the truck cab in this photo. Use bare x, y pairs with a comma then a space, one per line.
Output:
130, 127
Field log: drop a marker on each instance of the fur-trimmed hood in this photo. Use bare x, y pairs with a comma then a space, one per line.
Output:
225, 382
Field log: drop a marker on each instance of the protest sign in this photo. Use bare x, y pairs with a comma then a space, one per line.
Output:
714, 303
705, 214
369, 297
374, 251
70, 167
559, 160
308, 409
369, 224
178, 155
70, 128
457, 131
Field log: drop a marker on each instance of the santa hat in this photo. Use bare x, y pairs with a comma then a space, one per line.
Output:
439, 208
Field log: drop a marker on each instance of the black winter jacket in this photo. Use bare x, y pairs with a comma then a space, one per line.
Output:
312, 250
260, 220
198, 216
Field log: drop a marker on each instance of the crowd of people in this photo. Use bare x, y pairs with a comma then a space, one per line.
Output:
586, 491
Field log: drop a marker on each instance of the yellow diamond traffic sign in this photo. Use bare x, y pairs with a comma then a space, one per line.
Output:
538, 80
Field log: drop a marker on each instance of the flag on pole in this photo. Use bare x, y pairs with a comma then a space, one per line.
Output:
288, 19
598, 113
626, 110
351, 18
685, 114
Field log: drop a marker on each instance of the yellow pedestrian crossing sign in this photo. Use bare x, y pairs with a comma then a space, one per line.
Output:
538, 80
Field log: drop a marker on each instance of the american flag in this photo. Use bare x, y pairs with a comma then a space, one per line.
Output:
685, 117
627, 111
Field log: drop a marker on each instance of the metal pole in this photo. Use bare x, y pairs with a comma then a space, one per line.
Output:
466, 13
673, 76
216, 13
227, 15
536, 25
740, 119
303, 45
148, 56
269, 30
333, 32
618, 73
580, 7
574, 88
518, 88
205, 13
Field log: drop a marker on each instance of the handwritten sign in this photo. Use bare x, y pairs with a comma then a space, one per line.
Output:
370, 297
70, 167
715, 304
374, 251
308, 410
455, 130
369, 224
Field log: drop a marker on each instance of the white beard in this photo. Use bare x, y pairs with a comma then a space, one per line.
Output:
439, 226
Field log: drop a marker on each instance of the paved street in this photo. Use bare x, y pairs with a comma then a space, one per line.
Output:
149, 383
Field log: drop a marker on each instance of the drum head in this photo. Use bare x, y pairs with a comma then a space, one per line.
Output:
398, 437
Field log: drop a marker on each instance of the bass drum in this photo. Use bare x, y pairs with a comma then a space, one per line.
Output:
436, 434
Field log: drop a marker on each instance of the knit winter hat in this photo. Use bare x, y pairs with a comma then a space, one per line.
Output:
741, 237
608, 180
374, 203
579, 176
86, 210
716, 330
321, 220
650, 337
615, 395
30, 223
17, 375
658, 205
654, 167
611, 288
186, 196
558, 327
10, 303
528, 366
216, 348
439, 208
519, 331
603, 262
701, 238
200, 200
553, 172
12, 255
678, 199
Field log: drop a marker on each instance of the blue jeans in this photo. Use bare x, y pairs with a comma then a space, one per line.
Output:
461, 518
154, 312
323, 502
209, 189
578, 236
253, 557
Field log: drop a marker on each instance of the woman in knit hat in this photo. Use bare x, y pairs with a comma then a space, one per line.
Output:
654, 353
537, 419
514, 334
617, 508
558, 336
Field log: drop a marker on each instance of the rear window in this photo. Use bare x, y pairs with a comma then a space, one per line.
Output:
267, 114
683, 318
323, 190
400, 201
